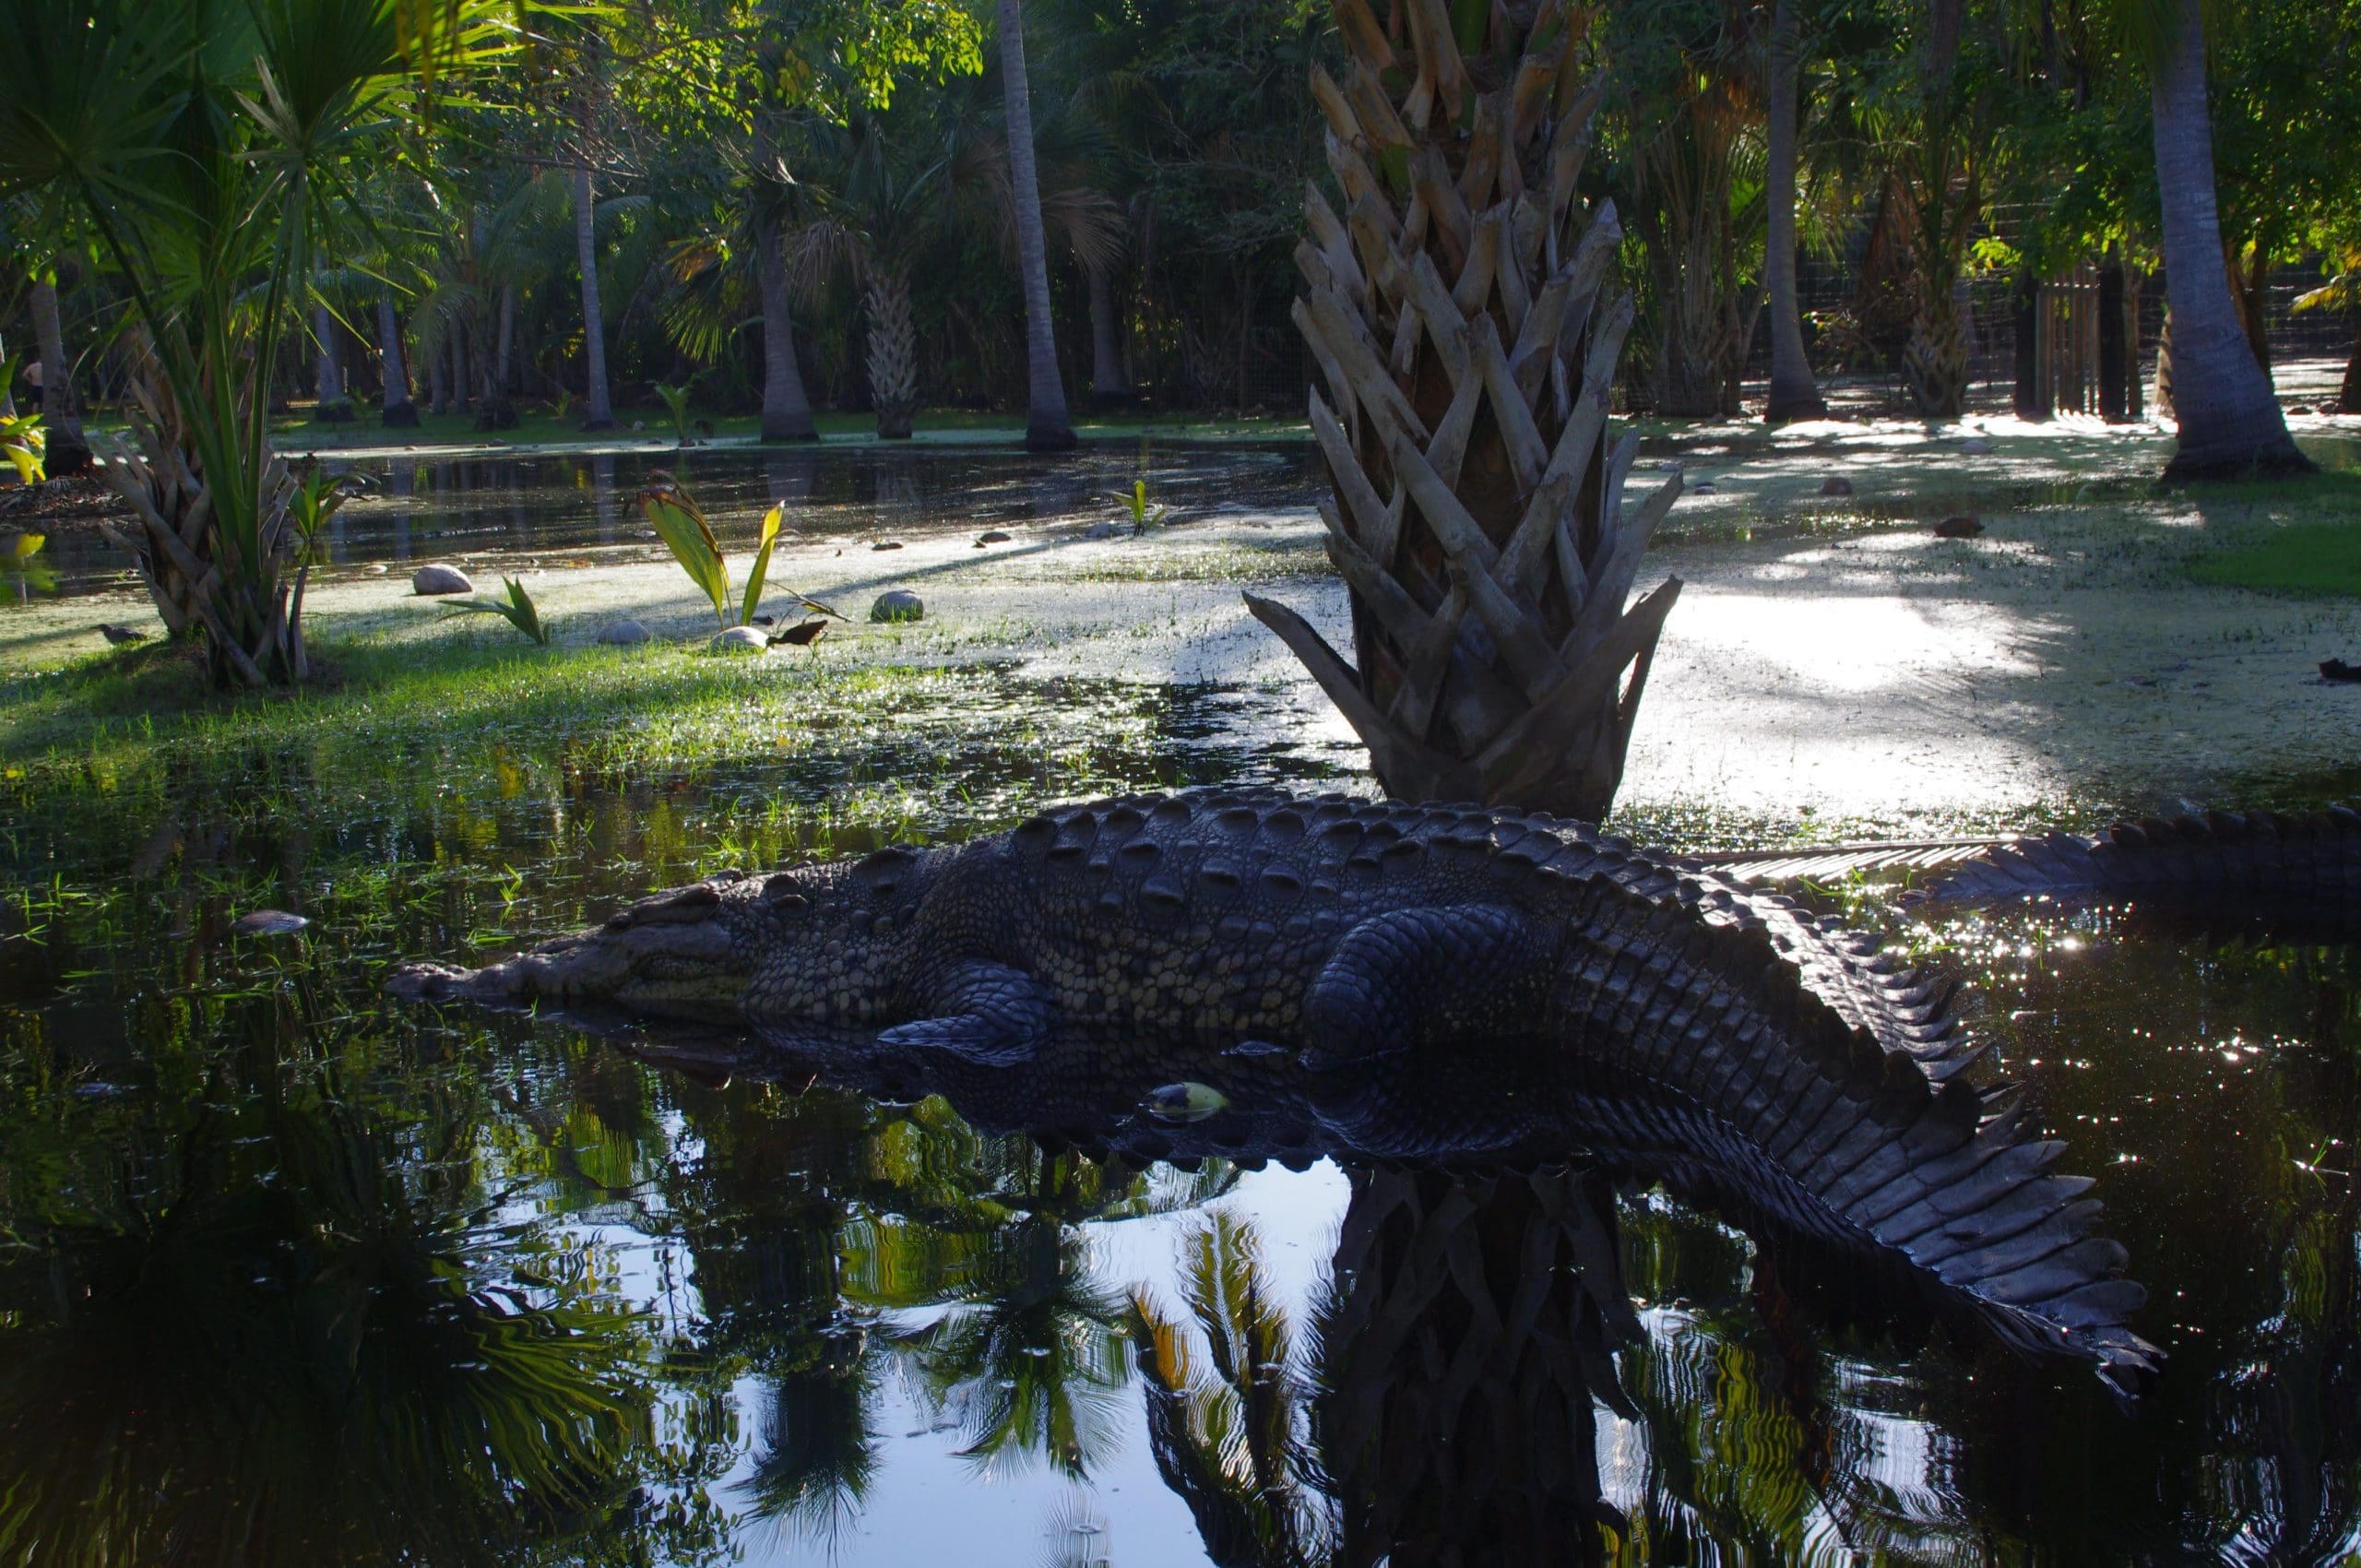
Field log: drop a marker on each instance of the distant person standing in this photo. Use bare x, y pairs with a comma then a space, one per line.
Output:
33, 380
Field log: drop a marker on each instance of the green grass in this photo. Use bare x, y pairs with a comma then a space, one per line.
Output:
2300, 537
2303, 558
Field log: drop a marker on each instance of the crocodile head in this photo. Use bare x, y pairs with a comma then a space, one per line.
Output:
823, 944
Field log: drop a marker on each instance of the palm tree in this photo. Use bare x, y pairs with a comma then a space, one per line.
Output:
61, 415
1466, 324
1048, 427
787, 410
2230, 423
399, 410
1793, 394
202, 142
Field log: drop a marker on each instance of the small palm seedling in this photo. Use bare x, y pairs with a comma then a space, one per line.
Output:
676, 404
518, 609
1143, 515
681, 524
30, 575
562, 405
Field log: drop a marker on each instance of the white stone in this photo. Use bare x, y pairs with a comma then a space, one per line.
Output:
440, 579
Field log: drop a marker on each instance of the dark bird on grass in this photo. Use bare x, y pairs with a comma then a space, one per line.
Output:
802, 636
2337, 670
120, 635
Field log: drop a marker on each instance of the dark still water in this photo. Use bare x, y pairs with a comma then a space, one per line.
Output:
420, 507
290, 1274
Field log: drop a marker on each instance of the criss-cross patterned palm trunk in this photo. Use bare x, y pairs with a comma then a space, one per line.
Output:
892, 355
1463, 314
1473, 1325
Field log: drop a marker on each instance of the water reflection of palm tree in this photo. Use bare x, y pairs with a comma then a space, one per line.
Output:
1029, 1357
279, 1343
1230, 1437
1469, 1328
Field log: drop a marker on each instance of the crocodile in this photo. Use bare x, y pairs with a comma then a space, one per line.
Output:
2306, 867
1779, 1054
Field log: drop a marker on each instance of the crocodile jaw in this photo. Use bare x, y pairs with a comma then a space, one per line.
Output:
683, 970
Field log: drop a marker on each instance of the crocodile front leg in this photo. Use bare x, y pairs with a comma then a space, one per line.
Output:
982, 1010
1426, 976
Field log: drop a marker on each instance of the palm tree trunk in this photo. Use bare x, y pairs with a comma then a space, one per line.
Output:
1467, 326
1048, 427
2348, 396
599, 413
1108, 382
2230, 423
506, 383
328, 379
892, 355
787, 412
463, 385
1793, 395
61, 414
399, 411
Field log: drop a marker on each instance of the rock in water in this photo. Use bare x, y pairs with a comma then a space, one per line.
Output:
897, 604
1965, 526
440, 579
740, 639
1836, 484
622, 634
268, 922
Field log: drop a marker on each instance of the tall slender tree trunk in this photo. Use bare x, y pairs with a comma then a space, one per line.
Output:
506, 383
2031, 401
1109, 383
1794, 395
2348, 396
463, 385
599, 412
787, 412
327, 380
1048, 427
2230, 423
61, 412
398, 411
2119, 369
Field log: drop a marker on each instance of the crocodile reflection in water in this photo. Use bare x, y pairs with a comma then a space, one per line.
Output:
1475, 1299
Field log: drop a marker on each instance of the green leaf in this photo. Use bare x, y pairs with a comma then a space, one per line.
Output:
679, 522
771, 521
1468, 19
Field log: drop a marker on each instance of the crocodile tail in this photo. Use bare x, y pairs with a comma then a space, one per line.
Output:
2261, 857
1811, 1119
1906, 1010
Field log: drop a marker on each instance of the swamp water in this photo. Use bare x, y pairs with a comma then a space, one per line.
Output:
292, 1275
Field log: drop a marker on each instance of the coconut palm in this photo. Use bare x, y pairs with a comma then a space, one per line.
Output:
1048, 427
202, 141
1468, 329
2230, 423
